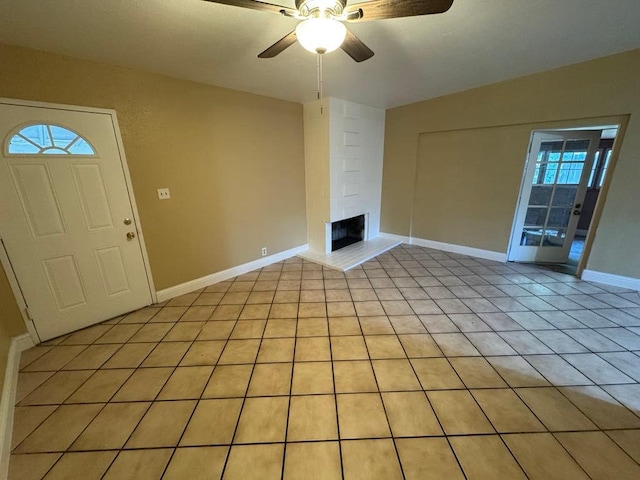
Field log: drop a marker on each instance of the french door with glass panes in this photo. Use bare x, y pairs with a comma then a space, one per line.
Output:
553, 189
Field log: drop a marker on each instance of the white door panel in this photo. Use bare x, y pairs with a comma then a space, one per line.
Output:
40, 206
90, 187
62, 220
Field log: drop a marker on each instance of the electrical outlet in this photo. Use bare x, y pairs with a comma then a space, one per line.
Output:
264, 251
163, 194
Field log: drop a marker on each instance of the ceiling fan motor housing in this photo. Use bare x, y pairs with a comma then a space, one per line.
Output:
318, 8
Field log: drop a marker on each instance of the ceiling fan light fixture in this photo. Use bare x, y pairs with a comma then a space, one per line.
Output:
321, 35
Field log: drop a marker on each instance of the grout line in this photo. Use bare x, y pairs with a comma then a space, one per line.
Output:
151, 402
463, 388
384, 408
433, 410
197, 401
335, 393
606, 432
286, 428
235, 430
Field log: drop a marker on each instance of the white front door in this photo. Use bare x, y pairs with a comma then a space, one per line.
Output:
66, 217
553, 190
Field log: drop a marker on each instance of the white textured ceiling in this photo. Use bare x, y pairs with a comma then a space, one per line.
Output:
475, 43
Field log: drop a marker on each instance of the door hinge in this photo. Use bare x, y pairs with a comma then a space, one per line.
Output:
28, 313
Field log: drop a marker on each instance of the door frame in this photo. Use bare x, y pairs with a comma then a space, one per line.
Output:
619, 122
4, 256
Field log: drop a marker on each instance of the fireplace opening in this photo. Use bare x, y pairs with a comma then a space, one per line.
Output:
347, 232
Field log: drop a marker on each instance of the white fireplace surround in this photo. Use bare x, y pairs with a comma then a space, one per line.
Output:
344, 146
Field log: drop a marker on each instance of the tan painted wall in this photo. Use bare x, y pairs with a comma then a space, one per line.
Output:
234, 161
478, 205
457, 196
316, 157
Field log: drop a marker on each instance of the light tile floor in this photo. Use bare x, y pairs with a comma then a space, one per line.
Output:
417, 364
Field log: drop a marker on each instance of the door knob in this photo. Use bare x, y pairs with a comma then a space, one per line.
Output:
127, 221
576, 212
131, 235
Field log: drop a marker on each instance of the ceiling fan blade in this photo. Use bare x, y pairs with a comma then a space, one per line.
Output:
278, 47
256, 5
355, 48
381, 9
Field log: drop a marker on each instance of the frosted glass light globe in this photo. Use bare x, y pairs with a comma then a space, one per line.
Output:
321, 35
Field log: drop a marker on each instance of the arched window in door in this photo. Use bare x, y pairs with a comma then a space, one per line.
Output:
46, 139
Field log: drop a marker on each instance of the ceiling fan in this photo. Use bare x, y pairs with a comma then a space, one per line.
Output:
322, 29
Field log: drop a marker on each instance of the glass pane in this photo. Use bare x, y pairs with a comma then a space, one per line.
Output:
540, 195
554, 157
61, 136
20, 145
531, 237
553, 238
570, 173
564, 196
559, 217
578, 146
54, 151
574, 156
552, 149
535, 216
81, 147
536, 175
37, 134
549, 175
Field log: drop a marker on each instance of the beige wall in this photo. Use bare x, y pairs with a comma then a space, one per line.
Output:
234, 162
316, 157
470, 164
441, 157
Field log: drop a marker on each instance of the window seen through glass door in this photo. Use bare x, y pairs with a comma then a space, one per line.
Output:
556, 178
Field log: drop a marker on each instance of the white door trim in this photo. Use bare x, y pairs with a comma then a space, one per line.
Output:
4, 259
17, 293
18, 345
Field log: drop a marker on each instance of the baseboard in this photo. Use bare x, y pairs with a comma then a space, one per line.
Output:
397, 238
449, 247
7, 403
205, 281
611, 279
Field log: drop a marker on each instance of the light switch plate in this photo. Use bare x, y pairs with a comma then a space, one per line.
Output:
163, 194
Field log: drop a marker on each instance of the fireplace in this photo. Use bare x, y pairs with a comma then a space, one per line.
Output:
347, 232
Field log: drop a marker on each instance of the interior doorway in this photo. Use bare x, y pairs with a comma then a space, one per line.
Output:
563, 176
